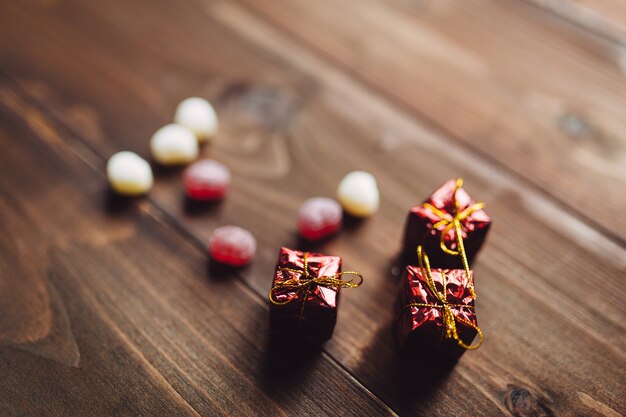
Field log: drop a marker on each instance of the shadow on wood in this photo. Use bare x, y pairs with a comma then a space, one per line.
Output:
351, 222
165, 172
197, 207
218, 271
287, 361
408, 380
115, 204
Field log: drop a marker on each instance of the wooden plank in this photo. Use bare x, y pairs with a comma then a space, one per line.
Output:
104, 311
539, 96
554, 333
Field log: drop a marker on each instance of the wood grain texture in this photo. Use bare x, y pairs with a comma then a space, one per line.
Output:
142, 328
292, 124
604, 17
528, 90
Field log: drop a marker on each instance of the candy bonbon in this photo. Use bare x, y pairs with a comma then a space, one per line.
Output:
358, 194
232, 245
174, 145
129, 174
197, 115
319, 217
206, 180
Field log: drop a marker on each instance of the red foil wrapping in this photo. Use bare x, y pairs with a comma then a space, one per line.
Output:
421, 330
310, 314
420, 230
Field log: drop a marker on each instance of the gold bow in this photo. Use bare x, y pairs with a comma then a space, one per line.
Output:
449, 319
454, 222
305, 281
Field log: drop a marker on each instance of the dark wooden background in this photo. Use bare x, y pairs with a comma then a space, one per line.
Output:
110, 307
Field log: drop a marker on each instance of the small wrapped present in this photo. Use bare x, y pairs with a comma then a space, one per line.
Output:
435, 311
449, 225
305, 294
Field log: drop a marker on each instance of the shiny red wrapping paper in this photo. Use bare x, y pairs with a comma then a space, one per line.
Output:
420, 230
311, 314
421, 330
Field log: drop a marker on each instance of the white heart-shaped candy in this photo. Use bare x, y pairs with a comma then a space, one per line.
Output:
174, 145
129, 174
358, 194
197, 115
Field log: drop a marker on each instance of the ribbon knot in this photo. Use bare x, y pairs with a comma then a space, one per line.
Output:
449, 319
304, 282
455, 222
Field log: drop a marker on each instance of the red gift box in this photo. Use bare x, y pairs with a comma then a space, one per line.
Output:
446, 225
305, 294
436, 313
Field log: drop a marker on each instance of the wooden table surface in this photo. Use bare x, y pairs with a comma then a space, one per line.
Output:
110, 307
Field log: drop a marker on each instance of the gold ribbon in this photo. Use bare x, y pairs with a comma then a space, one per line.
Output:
449, 319
305, 281
455, 222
